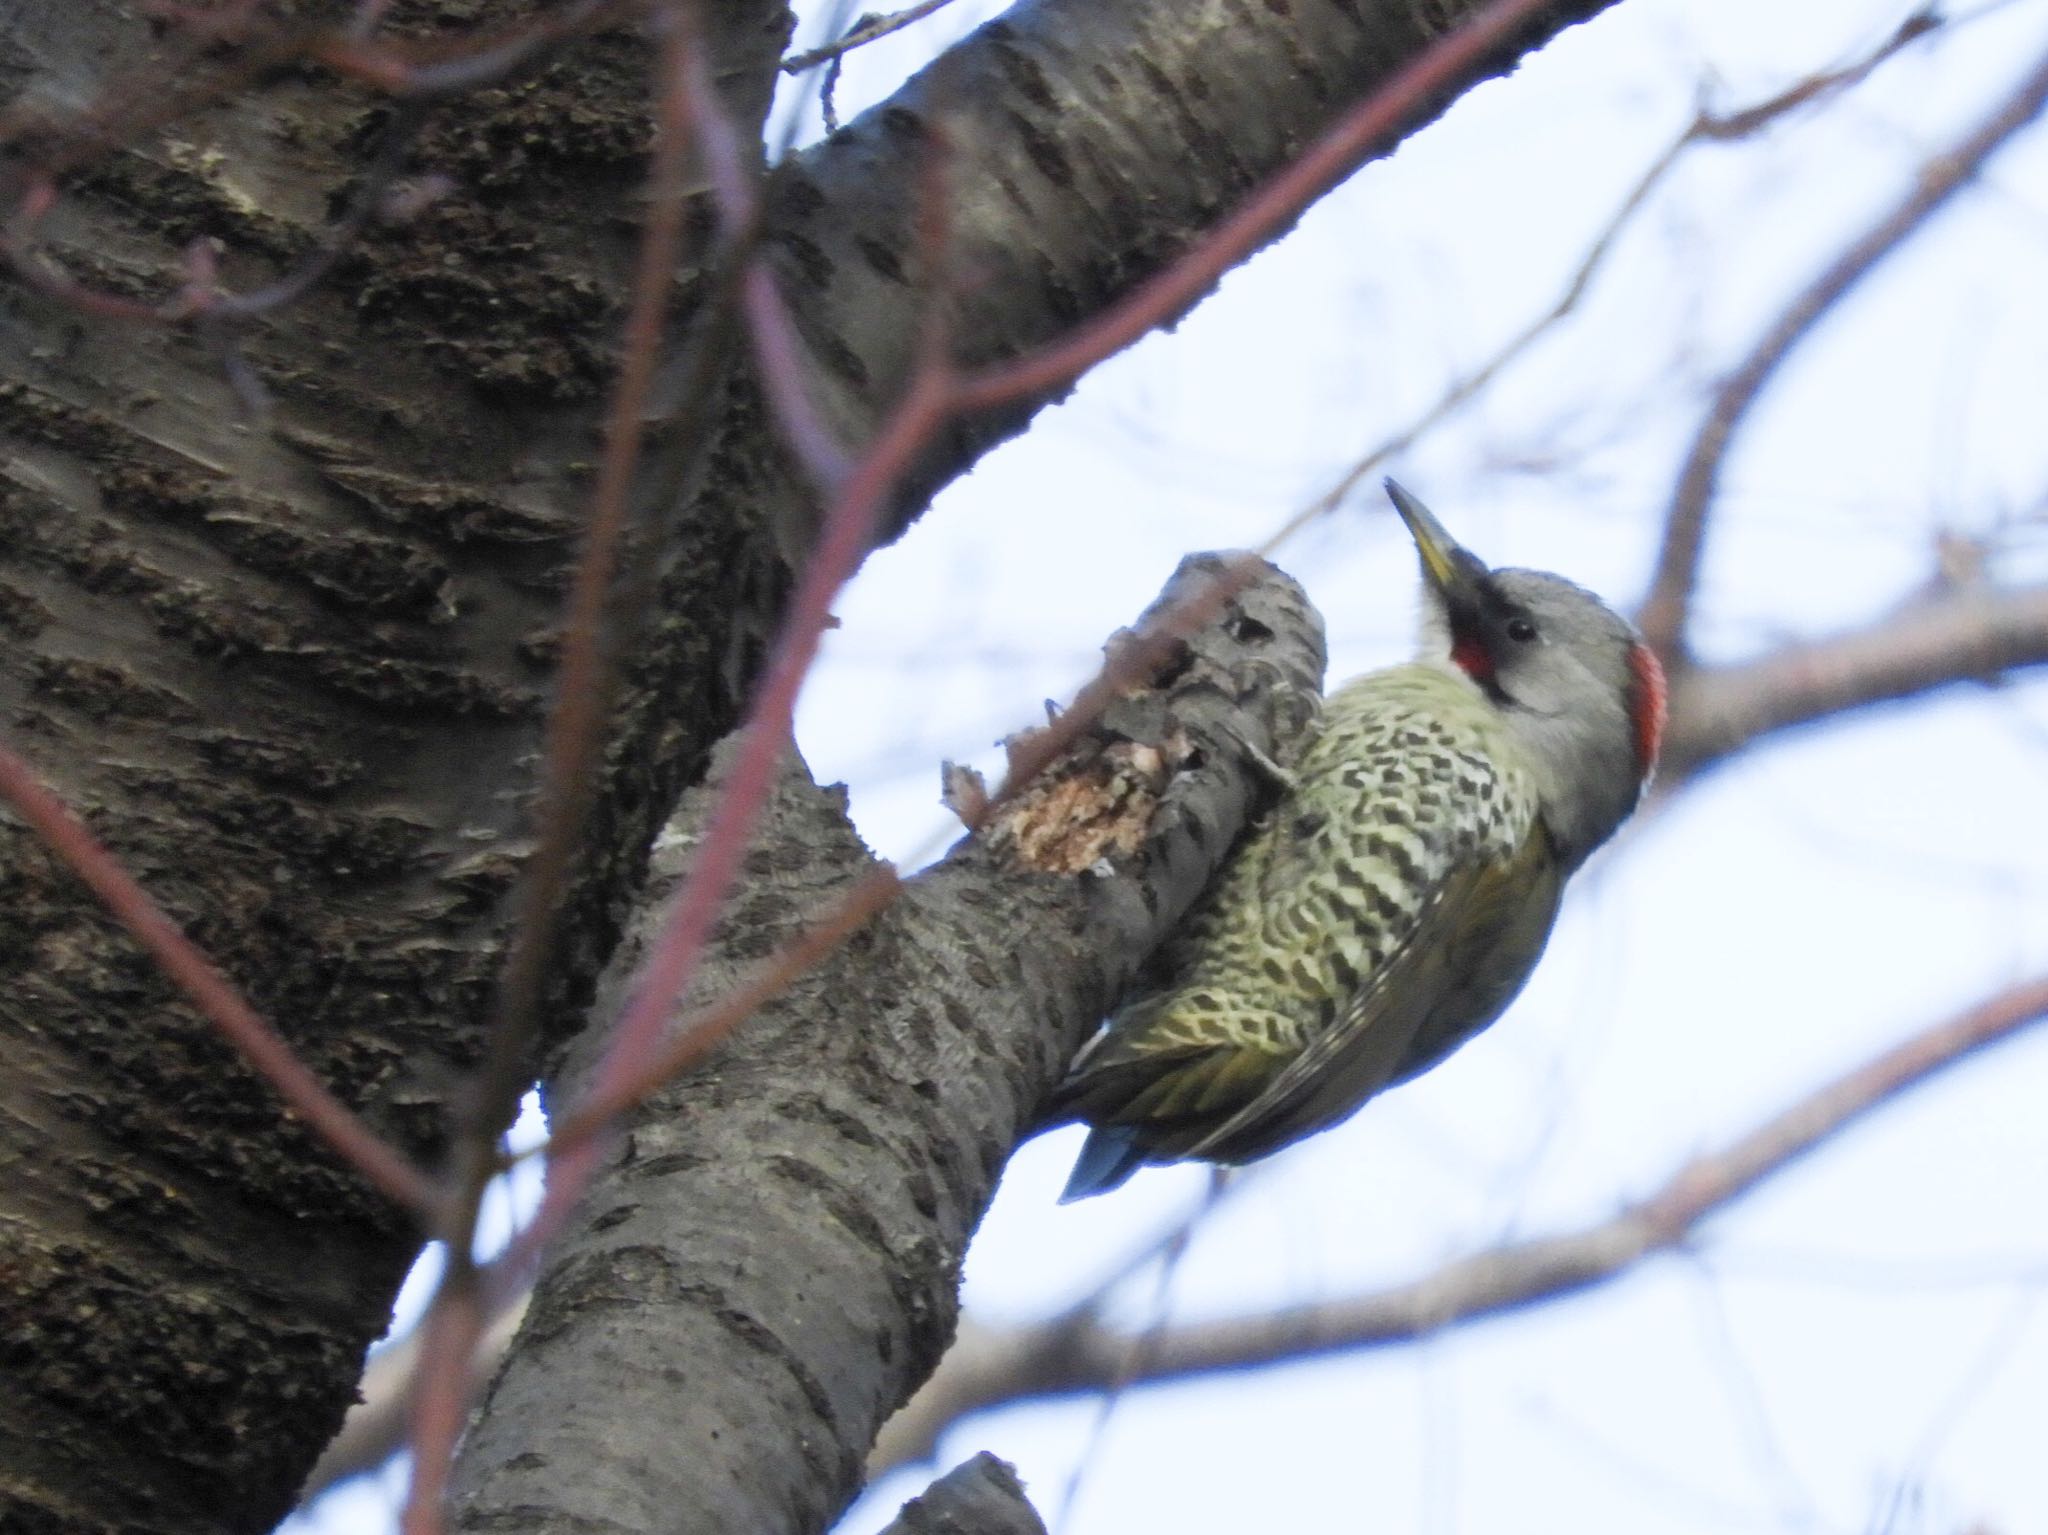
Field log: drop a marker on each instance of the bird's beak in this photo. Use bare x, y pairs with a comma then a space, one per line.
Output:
1453, 570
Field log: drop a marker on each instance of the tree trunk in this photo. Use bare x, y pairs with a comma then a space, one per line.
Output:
293, 671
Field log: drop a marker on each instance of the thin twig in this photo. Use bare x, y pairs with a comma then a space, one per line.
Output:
634, 1059
1334, 155
697, 1034
586, 679
1072, 1355
213, 994
1135, 1354
440, 1397
1663, 614
1706, 127
636, 1038
867, 30
378, 177
415, 74
770, 328
672, 955
375, 1428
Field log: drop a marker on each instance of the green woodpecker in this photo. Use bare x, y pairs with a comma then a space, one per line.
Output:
1396, 898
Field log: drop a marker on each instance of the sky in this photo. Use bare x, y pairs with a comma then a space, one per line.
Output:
1861, 1345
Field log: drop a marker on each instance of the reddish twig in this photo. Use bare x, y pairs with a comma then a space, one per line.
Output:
200, 299
440, 1394
673, 953
378, 178
777, 353
1706, 127
635, 1043
416, 75
779, 358
586, 678
1663, 613
1321, 166
212, 993
1072, 1355
587, 683
766, 733
377, 1427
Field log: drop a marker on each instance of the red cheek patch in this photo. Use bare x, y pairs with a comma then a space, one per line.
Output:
1649, 704
1472, 659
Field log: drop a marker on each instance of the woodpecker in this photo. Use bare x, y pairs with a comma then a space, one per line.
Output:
1400, 892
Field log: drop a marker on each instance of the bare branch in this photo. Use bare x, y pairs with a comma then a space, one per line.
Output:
867, 30
1974, 634
1444, 65
1663, 613
1068, 1355
755, 1185
1707, 127
981, 1496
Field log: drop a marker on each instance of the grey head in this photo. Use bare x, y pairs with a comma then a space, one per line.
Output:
1573, 680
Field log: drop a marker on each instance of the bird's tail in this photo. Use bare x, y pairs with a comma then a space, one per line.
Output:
1109, 1156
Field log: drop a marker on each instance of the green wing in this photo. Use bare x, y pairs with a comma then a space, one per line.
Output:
1513, 907
1201, 1070
1478, 934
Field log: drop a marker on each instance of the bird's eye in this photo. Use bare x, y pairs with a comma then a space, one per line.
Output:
1521, 630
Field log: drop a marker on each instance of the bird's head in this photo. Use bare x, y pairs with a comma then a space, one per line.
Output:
1572, 677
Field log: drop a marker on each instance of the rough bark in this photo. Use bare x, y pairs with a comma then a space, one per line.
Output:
981, 1496
293, 672
768, 1265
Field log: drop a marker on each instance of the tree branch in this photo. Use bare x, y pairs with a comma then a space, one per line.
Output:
1969, 634
1093, 145
1079, 1355
1664, 611
845, 1142
1707, 127
867, 30
981, 1496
